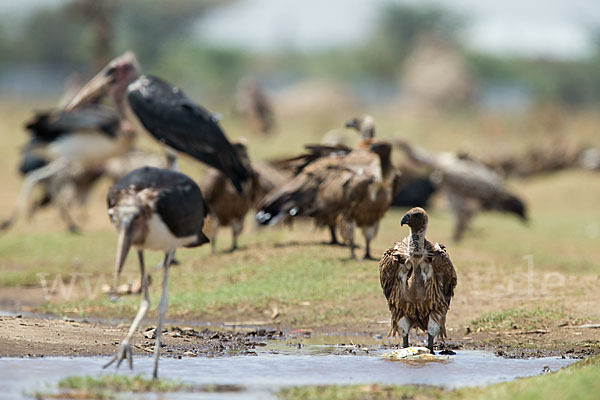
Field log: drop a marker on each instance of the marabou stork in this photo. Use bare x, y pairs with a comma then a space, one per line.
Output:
70, 141
166, 113
155, 209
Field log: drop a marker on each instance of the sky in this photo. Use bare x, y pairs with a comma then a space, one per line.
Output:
549, 28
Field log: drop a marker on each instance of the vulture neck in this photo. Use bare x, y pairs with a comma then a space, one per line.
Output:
386, 166
417, 241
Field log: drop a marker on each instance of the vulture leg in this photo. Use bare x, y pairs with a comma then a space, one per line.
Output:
351, 240
463, 217
214, 228
124, 351
429, 342
369, 233
31, 180
236, 227
66, 217
334, 241
404, 328
162, 309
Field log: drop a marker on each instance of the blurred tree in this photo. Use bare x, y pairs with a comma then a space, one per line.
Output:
99, 16
398, 29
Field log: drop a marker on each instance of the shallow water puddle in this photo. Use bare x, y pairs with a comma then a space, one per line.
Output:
261, 376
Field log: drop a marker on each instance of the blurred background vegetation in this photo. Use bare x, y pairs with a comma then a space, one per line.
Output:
415, 53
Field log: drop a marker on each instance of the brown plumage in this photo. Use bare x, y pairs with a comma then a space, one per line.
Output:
327, 188
227, 206
469, 186
418, 281
370, 208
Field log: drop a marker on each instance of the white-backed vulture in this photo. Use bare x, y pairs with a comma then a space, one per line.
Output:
469, 186
418, 281
227, 206
327, 188
370, 209
365, 126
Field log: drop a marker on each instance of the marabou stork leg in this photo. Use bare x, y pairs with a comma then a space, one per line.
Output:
124, 351
30, 181
171, 159
162, 309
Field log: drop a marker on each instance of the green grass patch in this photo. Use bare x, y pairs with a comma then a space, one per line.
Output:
516, 319
122, 383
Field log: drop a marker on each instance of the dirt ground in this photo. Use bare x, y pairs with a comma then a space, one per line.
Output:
31, 335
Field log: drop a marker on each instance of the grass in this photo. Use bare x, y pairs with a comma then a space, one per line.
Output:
106, 386
247, 284
516, 319
578, 381
122, 383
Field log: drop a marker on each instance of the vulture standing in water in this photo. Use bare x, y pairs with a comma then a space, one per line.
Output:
328, 188
418, 281
227, 206
469, 185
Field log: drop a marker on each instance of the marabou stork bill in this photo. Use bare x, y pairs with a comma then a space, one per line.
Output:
155, 209
65, 141
166, 113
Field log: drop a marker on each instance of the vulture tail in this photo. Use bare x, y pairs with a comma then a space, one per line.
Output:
291, 199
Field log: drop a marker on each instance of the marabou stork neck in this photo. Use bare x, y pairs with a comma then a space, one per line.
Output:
156, 209
166, 113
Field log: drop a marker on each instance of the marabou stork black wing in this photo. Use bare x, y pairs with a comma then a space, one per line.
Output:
179, 200
46, 126
173, 119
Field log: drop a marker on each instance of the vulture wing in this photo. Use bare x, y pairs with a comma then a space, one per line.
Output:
445, 272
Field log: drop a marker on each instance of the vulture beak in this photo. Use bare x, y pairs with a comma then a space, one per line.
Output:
125, 231
404, 219
353, 123
94, 89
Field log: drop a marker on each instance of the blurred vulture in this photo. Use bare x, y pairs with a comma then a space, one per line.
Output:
227, 206
469, 186
68, 187
66, 152
365, 126
330, 188
418, 281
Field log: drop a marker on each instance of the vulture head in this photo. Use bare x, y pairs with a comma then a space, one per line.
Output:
365, 125
416, 218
